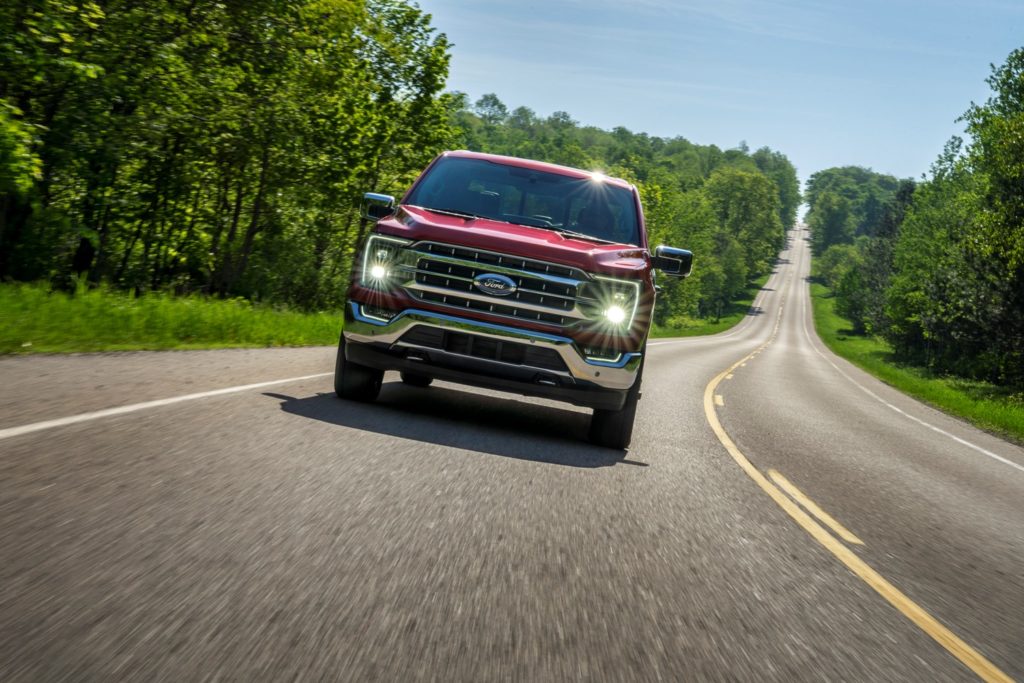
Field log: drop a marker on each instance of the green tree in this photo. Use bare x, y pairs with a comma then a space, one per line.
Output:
831, 222
867, 194
957, 300
209, 145
491, 109
747, 205
778, 168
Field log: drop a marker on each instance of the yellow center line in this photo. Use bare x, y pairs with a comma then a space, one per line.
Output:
719, 401
970, 657
812, 507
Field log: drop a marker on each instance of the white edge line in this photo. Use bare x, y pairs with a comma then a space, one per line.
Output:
134, 407
939, 430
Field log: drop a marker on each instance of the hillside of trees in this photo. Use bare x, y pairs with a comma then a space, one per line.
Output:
937, 267
222, 147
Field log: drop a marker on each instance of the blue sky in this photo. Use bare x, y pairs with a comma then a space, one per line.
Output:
868, 83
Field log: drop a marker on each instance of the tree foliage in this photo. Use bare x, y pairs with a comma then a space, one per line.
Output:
845, 203
940, 273
205, 145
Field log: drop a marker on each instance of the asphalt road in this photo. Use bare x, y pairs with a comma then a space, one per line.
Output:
447, 533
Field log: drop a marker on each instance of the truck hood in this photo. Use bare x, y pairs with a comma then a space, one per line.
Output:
418, 224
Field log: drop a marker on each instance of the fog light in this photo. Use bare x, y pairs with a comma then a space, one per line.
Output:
615, 314
601, 354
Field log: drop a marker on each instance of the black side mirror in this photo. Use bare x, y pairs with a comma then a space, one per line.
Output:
376, 206
672, 261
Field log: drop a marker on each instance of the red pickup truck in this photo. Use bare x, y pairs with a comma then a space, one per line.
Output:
508, 274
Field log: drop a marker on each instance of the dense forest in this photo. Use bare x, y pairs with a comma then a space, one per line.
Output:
937, 267
222, 147
198, 145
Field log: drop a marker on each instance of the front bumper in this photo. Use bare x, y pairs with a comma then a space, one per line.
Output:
587, 382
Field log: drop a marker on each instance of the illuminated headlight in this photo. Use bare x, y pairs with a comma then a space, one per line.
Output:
379, 257
615, 314
616, 302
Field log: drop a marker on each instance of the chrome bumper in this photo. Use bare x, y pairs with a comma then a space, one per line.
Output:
618, 375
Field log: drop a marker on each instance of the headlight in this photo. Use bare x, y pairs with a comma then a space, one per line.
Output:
379, 258
615, 314
617, 301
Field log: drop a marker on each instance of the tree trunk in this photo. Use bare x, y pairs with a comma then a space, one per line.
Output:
219, 278
254, 221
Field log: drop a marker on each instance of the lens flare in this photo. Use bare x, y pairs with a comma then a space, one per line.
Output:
615, 314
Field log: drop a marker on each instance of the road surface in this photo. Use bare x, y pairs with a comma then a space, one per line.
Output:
780, 516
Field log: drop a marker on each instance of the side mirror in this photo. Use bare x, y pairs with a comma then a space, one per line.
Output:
672, 261
376, 206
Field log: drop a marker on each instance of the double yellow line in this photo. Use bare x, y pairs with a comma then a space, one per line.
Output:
925, 621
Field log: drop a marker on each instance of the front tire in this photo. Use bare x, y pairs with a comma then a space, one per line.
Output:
614, 428
353, 381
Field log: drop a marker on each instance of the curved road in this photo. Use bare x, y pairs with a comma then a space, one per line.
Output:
780, 516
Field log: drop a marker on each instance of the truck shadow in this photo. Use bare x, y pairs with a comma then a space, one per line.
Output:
462, 419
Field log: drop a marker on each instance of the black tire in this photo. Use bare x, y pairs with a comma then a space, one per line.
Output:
353, 381
415, 380
614, 428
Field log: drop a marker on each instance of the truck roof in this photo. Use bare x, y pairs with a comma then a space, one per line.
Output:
539, 166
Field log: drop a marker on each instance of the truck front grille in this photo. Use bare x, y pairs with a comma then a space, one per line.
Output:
545, 292
496, 309
488, 258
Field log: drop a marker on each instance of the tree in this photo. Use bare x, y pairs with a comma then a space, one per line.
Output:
747, 205
956, 297
491, 109
831, 222
210, 145
777, 166
866, 192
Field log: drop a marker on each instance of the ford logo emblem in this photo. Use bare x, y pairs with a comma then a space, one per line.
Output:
496, 285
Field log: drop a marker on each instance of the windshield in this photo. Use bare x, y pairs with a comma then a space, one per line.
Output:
485, 189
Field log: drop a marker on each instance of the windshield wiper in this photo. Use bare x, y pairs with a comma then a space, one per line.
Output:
452, 212
583, 236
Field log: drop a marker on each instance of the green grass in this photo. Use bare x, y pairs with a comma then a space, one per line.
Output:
985, 405
35, 320
734, 313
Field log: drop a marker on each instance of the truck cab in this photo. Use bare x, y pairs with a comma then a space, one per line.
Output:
508, 274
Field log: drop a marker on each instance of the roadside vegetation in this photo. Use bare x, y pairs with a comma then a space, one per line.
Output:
37, 320
219, 150
989, 406
928, 276
736, 311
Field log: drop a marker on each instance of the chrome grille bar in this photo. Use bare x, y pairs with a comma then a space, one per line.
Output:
444, 274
